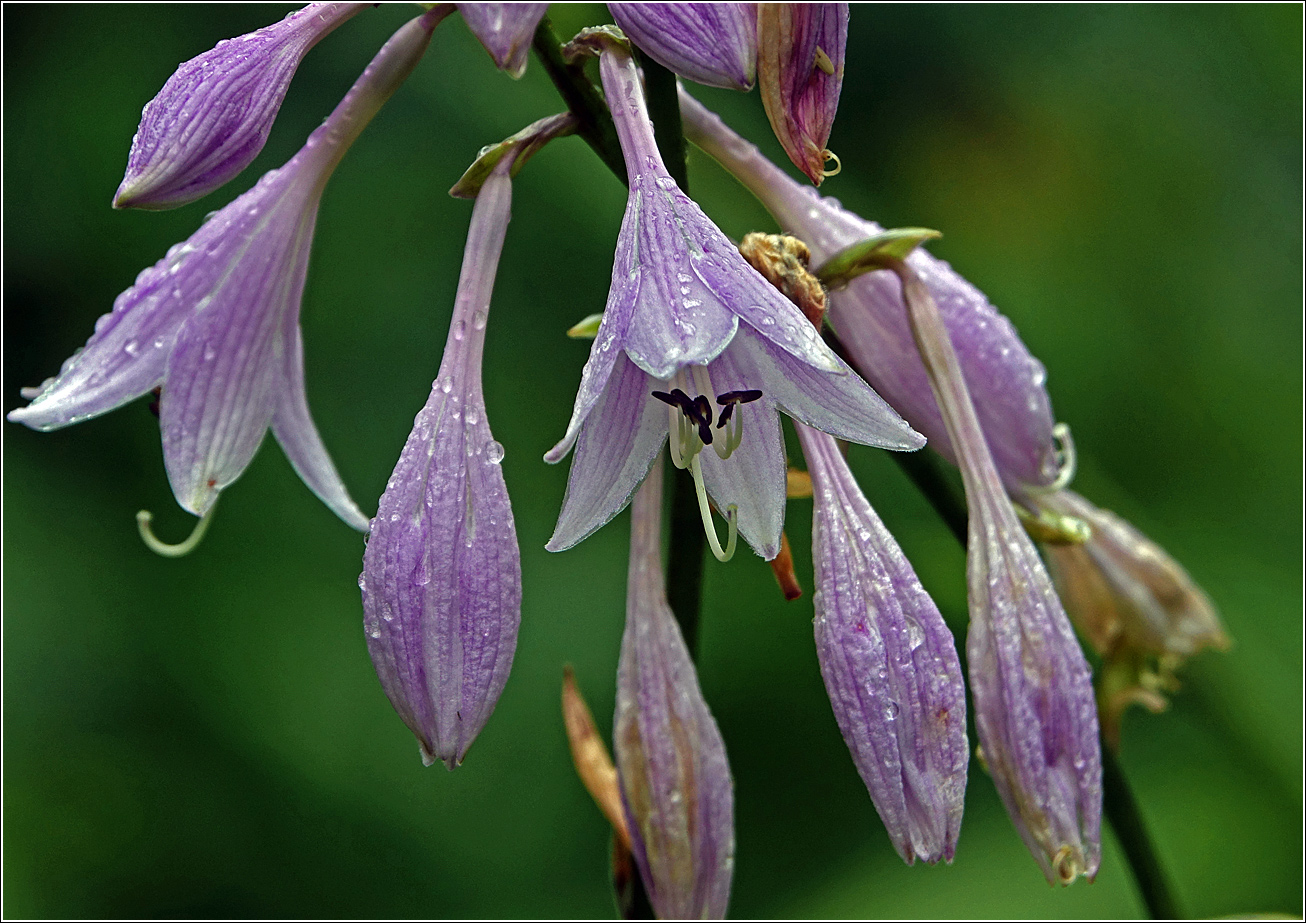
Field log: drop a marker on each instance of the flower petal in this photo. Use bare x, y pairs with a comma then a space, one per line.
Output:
840, 404
753, 478
619, 441
709, 43
292, 425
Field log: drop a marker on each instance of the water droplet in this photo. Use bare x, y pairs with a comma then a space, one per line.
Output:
494, 452
768, 321
458, 330
478, 320
446, 386
131, 348
473, 417
209, 353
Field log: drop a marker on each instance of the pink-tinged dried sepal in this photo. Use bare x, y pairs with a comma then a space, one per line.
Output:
506, 30
1006, 382
686, 307
215, 323
889, 663
671, 760
442, 574
710, 43
800, 58
1030, 684
214, 114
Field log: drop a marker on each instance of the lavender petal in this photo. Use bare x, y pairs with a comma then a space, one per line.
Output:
710, 43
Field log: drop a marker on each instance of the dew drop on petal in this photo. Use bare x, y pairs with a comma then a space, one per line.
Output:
494, 452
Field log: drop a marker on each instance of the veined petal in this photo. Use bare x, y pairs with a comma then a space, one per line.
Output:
227, 361
214, 114
293, 427
623, 434
505, 29
670, 757
710, 43
889, 664
838, 403
753, 477
800, 58
442, 573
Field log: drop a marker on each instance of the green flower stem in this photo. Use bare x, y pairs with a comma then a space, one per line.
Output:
581, 97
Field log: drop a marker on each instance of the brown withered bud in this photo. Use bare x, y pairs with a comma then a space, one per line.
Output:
783, 261
593, 764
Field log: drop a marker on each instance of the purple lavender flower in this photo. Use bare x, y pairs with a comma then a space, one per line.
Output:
889, 664
213, 115
441, 574
671, 761
689, 321
710, 43
1032, 689
505, 29
800, 58
1007, 382
215, 323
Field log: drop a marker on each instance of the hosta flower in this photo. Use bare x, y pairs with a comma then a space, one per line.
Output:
889, 664
215, 323
800, 55
1007, 383
1031, 686
505, 29
710, 43
213, 115
671, 761
695, 344
441, 574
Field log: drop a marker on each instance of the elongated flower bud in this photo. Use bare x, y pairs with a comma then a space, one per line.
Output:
442, 574
709, 43
506, 30
800, 57
1006, 381
671, 760
889, 664
213, 115
1031, 687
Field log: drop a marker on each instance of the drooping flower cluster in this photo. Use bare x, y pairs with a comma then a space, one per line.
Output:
701, 346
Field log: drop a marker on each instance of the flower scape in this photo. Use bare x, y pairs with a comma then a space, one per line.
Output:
852, 331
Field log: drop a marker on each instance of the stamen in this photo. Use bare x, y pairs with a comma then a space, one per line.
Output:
181, 549
705, 511
735, 434
1066, 456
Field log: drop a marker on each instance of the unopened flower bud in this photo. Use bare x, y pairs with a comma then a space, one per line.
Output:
709, 43
505, 29
800, 56
213, 115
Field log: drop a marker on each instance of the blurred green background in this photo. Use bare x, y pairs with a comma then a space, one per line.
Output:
206, 737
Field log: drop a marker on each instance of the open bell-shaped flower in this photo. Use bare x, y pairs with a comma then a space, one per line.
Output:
215, 323
441, 576
670, 757
800, 56
695, 344
213, 115
710, 43
505, 29
889, 663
